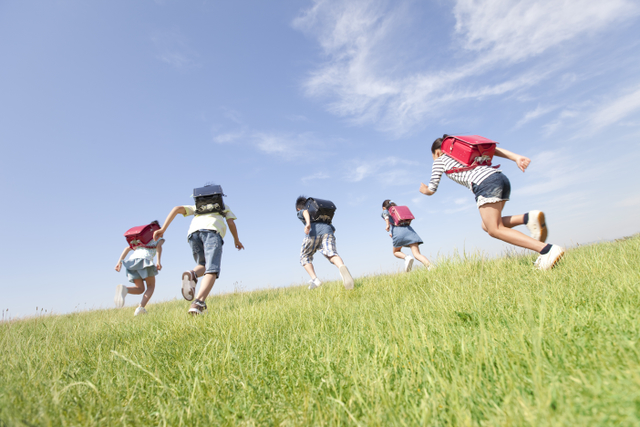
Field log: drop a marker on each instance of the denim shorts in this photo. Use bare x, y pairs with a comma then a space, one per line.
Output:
495, 188
206, 246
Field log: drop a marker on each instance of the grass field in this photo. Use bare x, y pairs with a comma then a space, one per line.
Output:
473, 342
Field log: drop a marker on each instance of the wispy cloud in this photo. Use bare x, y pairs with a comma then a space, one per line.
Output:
174, 49
316, 176
357, 36
391, 170
617, 110
285, 145
534, 114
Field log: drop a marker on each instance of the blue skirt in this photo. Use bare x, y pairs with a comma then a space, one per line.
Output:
139, 268
404, 236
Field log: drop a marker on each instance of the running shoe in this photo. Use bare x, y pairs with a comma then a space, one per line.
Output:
537, 226
189, 281
121, 292
549, 260
198, 307
346, 277
408, 263
140, 310
315, 283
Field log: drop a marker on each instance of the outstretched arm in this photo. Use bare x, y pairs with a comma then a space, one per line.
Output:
521, 161
307, 218
122, 257
159, 249
424, 189
175, 211
234, 231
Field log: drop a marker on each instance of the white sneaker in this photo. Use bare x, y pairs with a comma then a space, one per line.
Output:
548, 260
537, 226
315, 283
408, 263
346, 277
121, 292
189, 281
140, 310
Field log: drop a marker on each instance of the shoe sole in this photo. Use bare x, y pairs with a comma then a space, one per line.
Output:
539, 229
188, 291
194, 312
346, 277
120, 294
408, 267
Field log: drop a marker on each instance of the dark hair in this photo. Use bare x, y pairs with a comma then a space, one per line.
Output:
155, 222
388, 203
300, 202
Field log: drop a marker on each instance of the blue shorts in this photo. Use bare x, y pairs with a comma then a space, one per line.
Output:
326, 243
206, 246
139, 268
495, 188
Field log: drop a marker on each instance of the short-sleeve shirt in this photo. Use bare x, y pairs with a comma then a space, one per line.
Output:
386, 215
317, 228
209, 221
148, 252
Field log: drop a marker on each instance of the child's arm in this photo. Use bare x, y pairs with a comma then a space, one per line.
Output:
159, 249
234, 231
424, 189
122, 257
307, 218
175, 211
521, 161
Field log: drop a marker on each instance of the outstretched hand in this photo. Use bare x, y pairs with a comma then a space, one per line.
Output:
118, 266
158, 234
239, 245
522, 162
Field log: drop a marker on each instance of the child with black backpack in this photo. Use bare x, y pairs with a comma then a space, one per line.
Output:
403, 235
316, 215
205, 236
491, 189
140, 267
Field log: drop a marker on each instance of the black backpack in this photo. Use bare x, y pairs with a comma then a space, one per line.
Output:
320, 210
209, 200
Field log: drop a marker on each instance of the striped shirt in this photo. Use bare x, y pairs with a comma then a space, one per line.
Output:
467, 178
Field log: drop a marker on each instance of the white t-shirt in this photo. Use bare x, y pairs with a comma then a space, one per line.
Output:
210, 221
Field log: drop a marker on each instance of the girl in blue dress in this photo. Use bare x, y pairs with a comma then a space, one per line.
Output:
403, 236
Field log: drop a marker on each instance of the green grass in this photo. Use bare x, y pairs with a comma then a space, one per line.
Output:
474, 342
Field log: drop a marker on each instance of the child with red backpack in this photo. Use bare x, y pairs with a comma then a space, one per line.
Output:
467, 161
398, 222
140, 267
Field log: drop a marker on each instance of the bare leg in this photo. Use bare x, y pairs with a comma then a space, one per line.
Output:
415, 249
199, 270
206, 285
151, 286
309, 268
336, 260
137, 289
397, 252
492, 223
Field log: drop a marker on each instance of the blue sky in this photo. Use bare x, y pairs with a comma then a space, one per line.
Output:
112, 112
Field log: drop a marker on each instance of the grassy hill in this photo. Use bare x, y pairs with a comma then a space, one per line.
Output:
474, 342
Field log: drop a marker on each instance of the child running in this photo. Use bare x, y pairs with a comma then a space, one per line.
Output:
140, 269
492, 189
319, 235
403, 236
205, 238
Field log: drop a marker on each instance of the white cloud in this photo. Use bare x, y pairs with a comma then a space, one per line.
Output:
281, 144
316, 176
534, 114
617, 110
174, 49
362, 81
391, 170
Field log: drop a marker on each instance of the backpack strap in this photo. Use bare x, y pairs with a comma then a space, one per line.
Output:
468, 168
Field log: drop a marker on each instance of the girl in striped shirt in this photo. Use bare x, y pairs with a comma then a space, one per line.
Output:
492, 189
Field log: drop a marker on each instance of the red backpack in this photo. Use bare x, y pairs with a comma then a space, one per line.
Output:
471, 150
138, 237
401, 214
